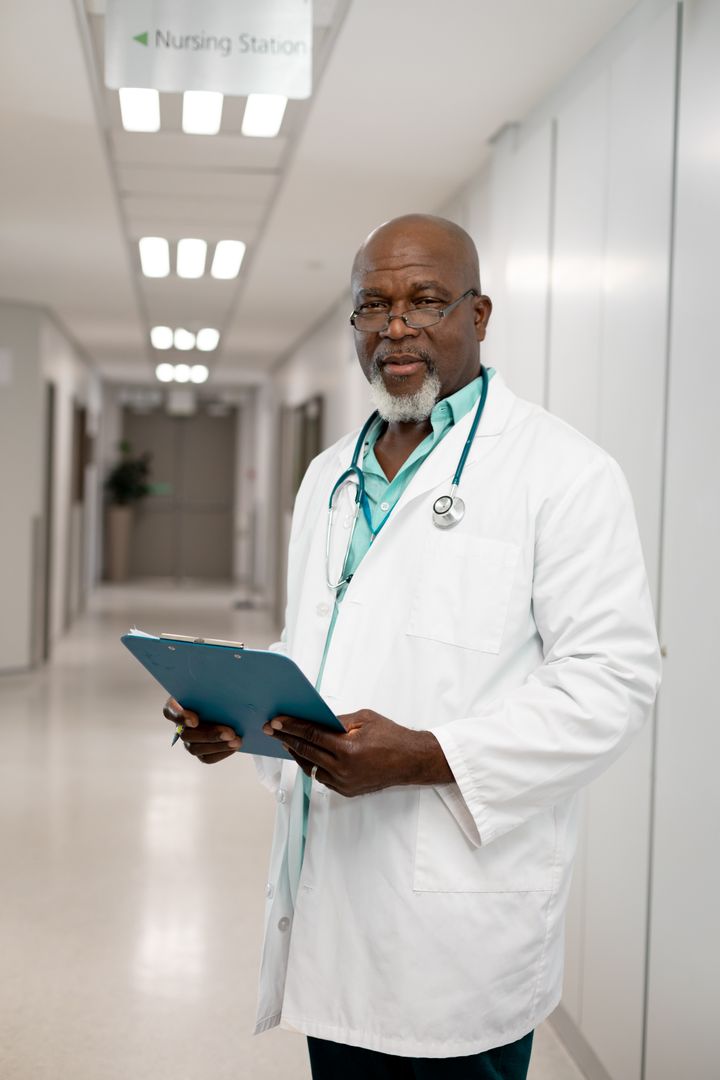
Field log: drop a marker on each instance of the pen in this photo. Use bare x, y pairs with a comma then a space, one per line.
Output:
178, 732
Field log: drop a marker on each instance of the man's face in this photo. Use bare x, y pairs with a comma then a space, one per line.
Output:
417, 266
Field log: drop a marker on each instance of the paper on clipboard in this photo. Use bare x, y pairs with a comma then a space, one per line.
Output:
229, 684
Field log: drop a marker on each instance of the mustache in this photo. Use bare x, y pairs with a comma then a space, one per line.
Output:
389, 354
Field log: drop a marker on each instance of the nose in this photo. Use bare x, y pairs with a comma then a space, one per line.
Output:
397, 328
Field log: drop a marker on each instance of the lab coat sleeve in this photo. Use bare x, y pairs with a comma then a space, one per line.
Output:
537, 745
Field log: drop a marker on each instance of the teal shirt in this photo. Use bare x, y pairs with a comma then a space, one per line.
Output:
383, 495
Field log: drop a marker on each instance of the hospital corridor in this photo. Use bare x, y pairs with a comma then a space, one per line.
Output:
134, 881
358, 413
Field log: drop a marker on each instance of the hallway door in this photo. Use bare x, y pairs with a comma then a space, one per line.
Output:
184, 529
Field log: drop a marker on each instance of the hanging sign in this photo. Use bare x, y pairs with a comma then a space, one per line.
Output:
238, 47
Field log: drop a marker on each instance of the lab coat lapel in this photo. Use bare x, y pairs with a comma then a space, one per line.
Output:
439, 467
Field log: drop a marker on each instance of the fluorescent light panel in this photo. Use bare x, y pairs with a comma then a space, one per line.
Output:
207, 339
263, 115
139, 109
182, 373
191, 256
202, 112
161, 337
165, 372
199, 373
154, 256
184, 340
227, 259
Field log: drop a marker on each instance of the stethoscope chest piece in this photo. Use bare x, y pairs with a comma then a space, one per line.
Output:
447, 511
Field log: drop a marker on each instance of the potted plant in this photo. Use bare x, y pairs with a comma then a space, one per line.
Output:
126, 484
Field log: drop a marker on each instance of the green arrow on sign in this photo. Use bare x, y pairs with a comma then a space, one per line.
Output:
141, 38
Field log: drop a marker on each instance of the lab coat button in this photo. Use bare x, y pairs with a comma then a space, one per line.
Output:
269, 891
284, 923
281, 795
323, 609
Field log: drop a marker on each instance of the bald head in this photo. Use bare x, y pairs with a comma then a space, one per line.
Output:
418, 264
402, 237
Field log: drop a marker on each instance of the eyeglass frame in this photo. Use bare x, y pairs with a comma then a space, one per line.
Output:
440, 312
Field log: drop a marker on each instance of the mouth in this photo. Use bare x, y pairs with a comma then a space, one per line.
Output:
401, 364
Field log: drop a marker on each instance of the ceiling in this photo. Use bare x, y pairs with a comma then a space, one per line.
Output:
76, 191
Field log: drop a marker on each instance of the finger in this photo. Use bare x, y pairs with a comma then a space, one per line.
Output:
212, 759
174, 712
210, 749
309, 752
322, 775
304, 764
220, 738
285, 727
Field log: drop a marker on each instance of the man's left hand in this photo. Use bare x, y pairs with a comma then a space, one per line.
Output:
373, 752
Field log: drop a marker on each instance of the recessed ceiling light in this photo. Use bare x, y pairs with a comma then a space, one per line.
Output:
154, 256
165, 372
227, 259
199, 373
182, 372
263, 115
184, 340
161, 337
191, 258
207, 339
139, 109
202, 112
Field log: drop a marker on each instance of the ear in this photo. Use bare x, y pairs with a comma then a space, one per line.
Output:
482, 308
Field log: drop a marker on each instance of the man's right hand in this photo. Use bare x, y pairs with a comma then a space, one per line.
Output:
209, 743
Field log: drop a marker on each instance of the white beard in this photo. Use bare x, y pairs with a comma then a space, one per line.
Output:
405, 408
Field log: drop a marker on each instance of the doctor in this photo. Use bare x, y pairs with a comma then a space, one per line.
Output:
479, 617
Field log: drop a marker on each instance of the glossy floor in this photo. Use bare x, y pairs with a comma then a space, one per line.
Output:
132, 877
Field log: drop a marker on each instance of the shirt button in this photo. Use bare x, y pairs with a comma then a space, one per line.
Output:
281, 795
284, 923
269, 891
323, 609
384, 506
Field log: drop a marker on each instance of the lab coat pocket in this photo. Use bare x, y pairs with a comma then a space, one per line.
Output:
522, 860
463, 593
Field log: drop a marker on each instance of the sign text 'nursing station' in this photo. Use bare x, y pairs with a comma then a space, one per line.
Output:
238, 47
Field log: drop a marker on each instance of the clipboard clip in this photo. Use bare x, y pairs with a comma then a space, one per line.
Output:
202, 640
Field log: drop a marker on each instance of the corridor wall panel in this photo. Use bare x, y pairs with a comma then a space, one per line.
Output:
685, 939
527, 264
630, 417
577, 268
22, 458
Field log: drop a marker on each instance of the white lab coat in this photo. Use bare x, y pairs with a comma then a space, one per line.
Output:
429, 920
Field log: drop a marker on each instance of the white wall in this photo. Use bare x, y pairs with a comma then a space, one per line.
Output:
40, 353
22, 457
75, 537
685, 931
325, 364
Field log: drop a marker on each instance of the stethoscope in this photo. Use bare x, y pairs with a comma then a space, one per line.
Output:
447, 511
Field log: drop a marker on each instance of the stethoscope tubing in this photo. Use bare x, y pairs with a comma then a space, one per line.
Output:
354, 474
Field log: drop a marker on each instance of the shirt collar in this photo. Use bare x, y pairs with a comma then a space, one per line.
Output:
445, 413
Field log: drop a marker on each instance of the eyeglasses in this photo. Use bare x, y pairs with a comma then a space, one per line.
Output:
376, 322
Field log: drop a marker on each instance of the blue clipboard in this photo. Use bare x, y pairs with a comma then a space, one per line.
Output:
229, 684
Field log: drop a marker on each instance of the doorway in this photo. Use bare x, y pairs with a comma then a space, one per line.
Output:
185, 527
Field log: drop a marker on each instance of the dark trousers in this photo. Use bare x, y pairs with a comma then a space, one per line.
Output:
335, 1061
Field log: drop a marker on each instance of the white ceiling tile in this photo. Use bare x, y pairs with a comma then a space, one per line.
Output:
199, 183
174, 150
